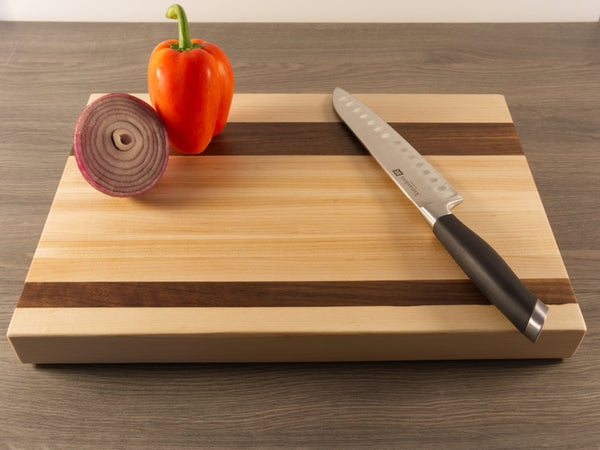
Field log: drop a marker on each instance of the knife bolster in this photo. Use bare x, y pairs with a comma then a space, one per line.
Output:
433, 211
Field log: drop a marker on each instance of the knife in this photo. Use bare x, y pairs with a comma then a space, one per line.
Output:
435, 197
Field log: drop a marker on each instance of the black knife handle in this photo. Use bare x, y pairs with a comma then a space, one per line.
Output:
490, 273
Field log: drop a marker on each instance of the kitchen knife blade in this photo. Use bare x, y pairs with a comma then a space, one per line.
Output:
435, 197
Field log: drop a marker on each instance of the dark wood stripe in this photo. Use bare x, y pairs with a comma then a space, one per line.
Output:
229, 294
336, 139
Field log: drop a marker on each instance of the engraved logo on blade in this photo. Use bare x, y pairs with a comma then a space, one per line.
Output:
406, 182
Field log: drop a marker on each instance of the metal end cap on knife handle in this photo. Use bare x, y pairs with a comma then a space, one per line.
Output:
536, 321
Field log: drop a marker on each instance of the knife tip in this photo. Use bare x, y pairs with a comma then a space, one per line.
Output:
339, 92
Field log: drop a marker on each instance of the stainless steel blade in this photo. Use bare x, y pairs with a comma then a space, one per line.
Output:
413, 174
434, 197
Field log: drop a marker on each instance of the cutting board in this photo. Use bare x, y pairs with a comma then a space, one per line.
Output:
285, 241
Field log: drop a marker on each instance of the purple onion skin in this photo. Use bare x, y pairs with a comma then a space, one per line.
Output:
121, 145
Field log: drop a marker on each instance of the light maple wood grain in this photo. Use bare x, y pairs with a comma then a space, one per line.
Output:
421, 108
288, 218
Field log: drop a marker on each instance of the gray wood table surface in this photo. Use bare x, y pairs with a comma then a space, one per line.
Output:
550, 76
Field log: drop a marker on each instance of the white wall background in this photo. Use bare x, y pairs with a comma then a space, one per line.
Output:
306, 10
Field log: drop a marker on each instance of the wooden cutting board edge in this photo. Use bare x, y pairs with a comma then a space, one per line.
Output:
112, 335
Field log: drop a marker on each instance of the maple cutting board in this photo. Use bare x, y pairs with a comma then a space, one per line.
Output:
285, 241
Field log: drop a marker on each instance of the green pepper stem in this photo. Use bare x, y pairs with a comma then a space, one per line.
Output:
185, 43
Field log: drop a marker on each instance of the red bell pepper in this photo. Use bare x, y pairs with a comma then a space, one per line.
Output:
190, 83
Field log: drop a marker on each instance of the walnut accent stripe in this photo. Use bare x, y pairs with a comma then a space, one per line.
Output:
329, 138
336, 139
434, 108
273, 294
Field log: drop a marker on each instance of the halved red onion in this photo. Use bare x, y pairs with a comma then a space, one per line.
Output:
121, 145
